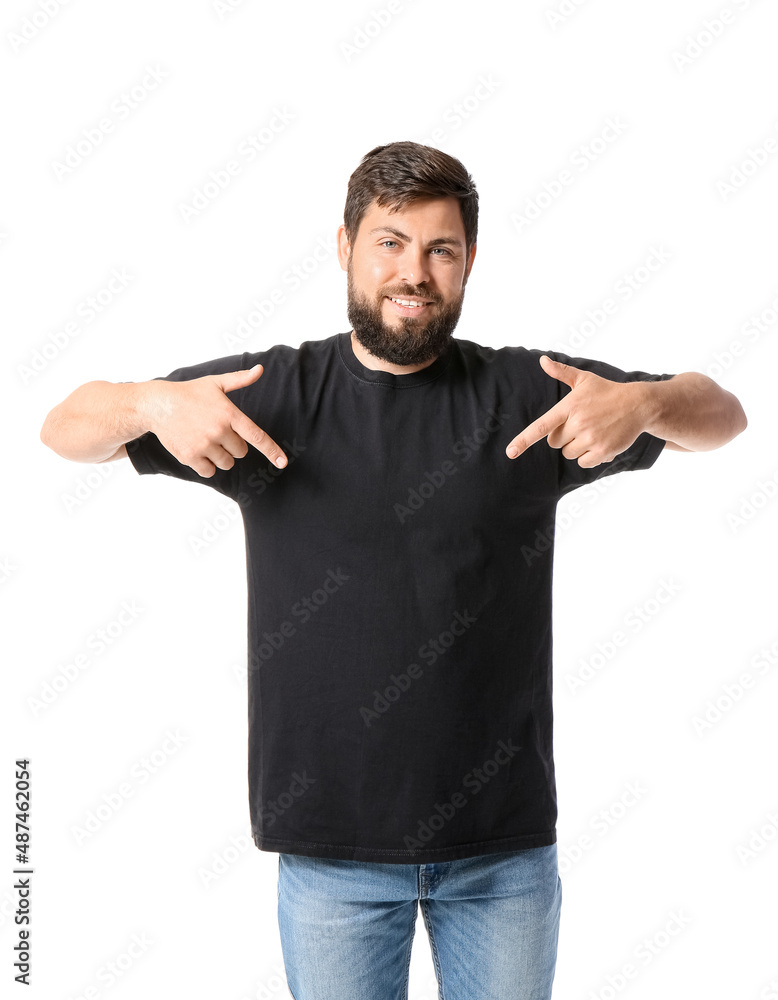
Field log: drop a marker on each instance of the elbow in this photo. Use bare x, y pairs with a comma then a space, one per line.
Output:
46, 435
739, 420
51, 433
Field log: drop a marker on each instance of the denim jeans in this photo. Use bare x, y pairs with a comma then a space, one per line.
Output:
492, 922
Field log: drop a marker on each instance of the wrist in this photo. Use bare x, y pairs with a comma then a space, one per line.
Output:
145, 407
650, 406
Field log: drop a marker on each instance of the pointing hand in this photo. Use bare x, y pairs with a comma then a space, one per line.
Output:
596, 421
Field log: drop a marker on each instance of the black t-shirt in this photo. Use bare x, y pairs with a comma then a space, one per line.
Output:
399, 597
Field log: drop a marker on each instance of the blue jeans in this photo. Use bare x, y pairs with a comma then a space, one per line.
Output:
492, 922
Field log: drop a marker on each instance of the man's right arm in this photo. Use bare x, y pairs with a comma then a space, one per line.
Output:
194, 420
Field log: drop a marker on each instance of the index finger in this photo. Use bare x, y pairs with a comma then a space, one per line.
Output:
261, 440
538, 429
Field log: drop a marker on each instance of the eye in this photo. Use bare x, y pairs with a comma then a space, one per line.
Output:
384, 242
442, 249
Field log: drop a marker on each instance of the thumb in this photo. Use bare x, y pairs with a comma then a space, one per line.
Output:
559, 370
236, 380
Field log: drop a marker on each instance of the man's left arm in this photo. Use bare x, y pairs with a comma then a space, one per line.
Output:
690, 412
599, 418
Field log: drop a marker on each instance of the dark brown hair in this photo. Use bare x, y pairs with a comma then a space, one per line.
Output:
402, 172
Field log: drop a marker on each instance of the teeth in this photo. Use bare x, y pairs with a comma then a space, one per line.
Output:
407, 302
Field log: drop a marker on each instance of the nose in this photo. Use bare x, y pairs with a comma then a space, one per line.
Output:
414, 267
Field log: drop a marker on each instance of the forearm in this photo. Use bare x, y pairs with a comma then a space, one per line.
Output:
692, 411
96, 419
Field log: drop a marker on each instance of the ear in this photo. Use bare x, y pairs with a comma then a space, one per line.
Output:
344, 247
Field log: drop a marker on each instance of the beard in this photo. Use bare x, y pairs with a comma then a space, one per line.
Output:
412, 341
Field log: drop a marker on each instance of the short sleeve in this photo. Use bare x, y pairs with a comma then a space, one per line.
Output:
148, 455
641, 454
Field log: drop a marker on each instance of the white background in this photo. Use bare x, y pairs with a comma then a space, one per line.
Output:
78, 540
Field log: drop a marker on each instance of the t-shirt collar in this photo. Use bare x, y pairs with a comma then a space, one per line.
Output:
379, 377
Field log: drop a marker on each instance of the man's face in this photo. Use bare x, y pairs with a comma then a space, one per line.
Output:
415, 255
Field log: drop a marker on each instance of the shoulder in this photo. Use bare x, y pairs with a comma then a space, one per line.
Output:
310, 352
512, 361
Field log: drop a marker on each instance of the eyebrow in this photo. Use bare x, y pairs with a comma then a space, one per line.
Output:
439, 241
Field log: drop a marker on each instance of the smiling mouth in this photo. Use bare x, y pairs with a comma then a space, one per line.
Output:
409, 306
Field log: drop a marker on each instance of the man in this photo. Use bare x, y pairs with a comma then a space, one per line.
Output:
399, 682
